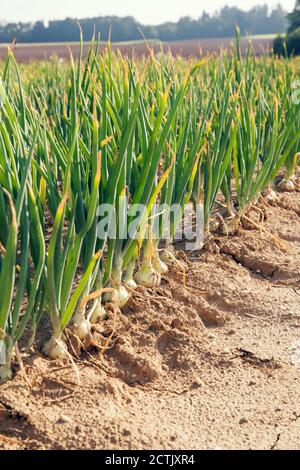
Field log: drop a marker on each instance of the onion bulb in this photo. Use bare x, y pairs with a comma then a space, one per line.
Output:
82, 329
128, 277
98, 313
55, 349
147, 276
120, 297
168, 254
269, 194
5, 372
287, 185
81, 326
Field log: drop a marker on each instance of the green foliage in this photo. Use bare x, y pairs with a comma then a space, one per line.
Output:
107, 130
291, 43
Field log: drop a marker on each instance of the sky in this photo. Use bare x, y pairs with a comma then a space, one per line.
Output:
145, 11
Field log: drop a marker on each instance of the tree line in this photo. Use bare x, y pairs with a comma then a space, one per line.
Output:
258, 20
290, 44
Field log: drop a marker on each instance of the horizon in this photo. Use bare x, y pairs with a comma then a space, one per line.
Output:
20, 11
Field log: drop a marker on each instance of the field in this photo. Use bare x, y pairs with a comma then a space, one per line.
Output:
31, 52
149, 251
172, 382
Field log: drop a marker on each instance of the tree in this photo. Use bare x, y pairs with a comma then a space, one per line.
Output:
294, 18
292, 39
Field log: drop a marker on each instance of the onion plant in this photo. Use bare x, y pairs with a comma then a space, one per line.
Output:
18, 278
115, 132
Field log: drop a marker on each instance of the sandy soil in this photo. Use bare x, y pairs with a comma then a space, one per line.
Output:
30, 52
211, 361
